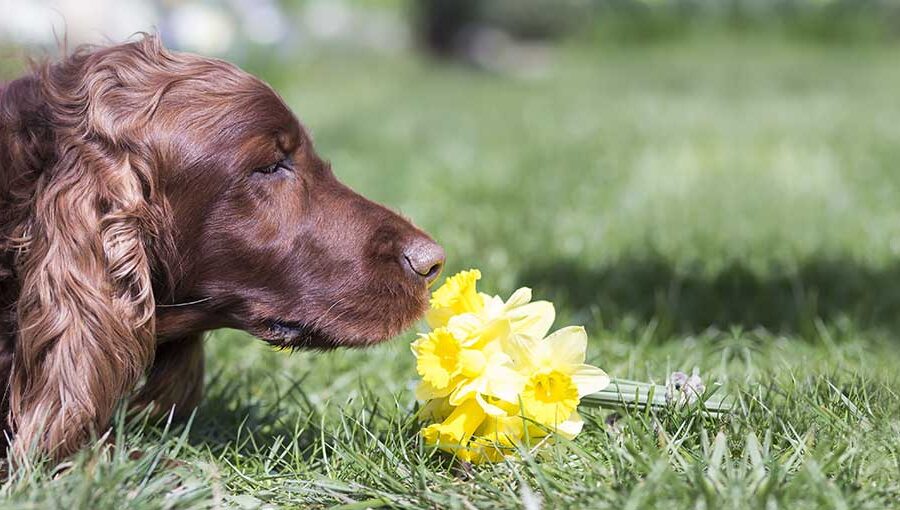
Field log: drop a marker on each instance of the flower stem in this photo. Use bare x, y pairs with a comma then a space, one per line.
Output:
639, 395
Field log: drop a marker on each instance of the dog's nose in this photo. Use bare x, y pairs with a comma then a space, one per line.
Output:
425, 258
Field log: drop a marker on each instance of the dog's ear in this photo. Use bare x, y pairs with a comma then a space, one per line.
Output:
86, 303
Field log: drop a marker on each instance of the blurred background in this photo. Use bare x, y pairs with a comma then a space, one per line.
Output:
684, 163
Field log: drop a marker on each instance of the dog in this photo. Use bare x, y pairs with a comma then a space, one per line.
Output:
148, 196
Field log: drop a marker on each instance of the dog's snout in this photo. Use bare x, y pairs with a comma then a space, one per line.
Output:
424, 258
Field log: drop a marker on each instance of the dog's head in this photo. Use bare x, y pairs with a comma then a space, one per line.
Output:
188, 191
266, 234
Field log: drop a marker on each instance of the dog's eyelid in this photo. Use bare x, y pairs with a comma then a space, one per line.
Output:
286, 163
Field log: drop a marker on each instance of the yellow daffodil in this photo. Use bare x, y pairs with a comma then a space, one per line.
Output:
456, 296
549, 397
453, 433
459, 361
497, 380
476, 333
563, 351
493, 439
492, 380
526, 318
438, 357
459, 297
557, 377
523, 317
436, 410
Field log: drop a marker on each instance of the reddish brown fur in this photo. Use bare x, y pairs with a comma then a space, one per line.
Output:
133, 218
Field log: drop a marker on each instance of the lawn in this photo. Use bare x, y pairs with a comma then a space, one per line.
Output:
732, 205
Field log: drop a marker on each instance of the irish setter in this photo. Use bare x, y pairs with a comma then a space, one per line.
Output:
148, 196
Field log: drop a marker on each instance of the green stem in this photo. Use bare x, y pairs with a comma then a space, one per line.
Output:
634, 394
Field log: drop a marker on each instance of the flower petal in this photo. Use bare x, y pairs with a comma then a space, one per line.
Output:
457, 295
571, 427
426, 391
566, 346
489, 409
436, 410
437, 359
521, 349
465, 326
493, 305
438, 317
503, 382
414, 345
494, 330
533, 319
519, 297
589, 379
461, 423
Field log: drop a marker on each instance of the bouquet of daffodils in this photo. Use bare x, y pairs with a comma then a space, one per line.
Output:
494, 381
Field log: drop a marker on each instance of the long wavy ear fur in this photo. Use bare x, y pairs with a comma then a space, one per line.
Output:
86, 304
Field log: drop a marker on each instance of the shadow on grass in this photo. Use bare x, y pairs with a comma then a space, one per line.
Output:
253, 415
781, 301
232, 416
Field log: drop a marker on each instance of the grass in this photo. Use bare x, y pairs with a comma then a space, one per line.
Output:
730, 205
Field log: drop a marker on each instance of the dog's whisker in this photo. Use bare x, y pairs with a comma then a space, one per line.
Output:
334, 319
318, 323
186, 303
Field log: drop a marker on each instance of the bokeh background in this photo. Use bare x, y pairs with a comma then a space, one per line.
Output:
703, 162
710, 183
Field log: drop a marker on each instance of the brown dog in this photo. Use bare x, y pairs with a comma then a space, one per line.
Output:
147, 196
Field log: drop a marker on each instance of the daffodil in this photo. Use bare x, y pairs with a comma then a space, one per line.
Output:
550, 397
497, 380
556, 377
456, 296
485, 369
526, 318
505, 430
492, 380
460, 361
438, 358
454, 432
494, 438
436, 410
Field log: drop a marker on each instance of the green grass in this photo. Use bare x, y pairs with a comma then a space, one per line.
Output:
729, 205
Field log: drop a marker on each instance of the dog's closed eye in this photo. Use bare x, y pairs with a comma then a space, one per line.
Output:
285, 165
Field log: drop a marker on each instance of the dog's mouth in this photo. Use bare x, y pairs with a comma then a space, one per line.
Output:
297, 335
346, 326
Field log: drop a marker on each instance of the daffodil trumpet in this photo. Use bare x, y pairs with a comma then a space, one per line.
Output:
495, 380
